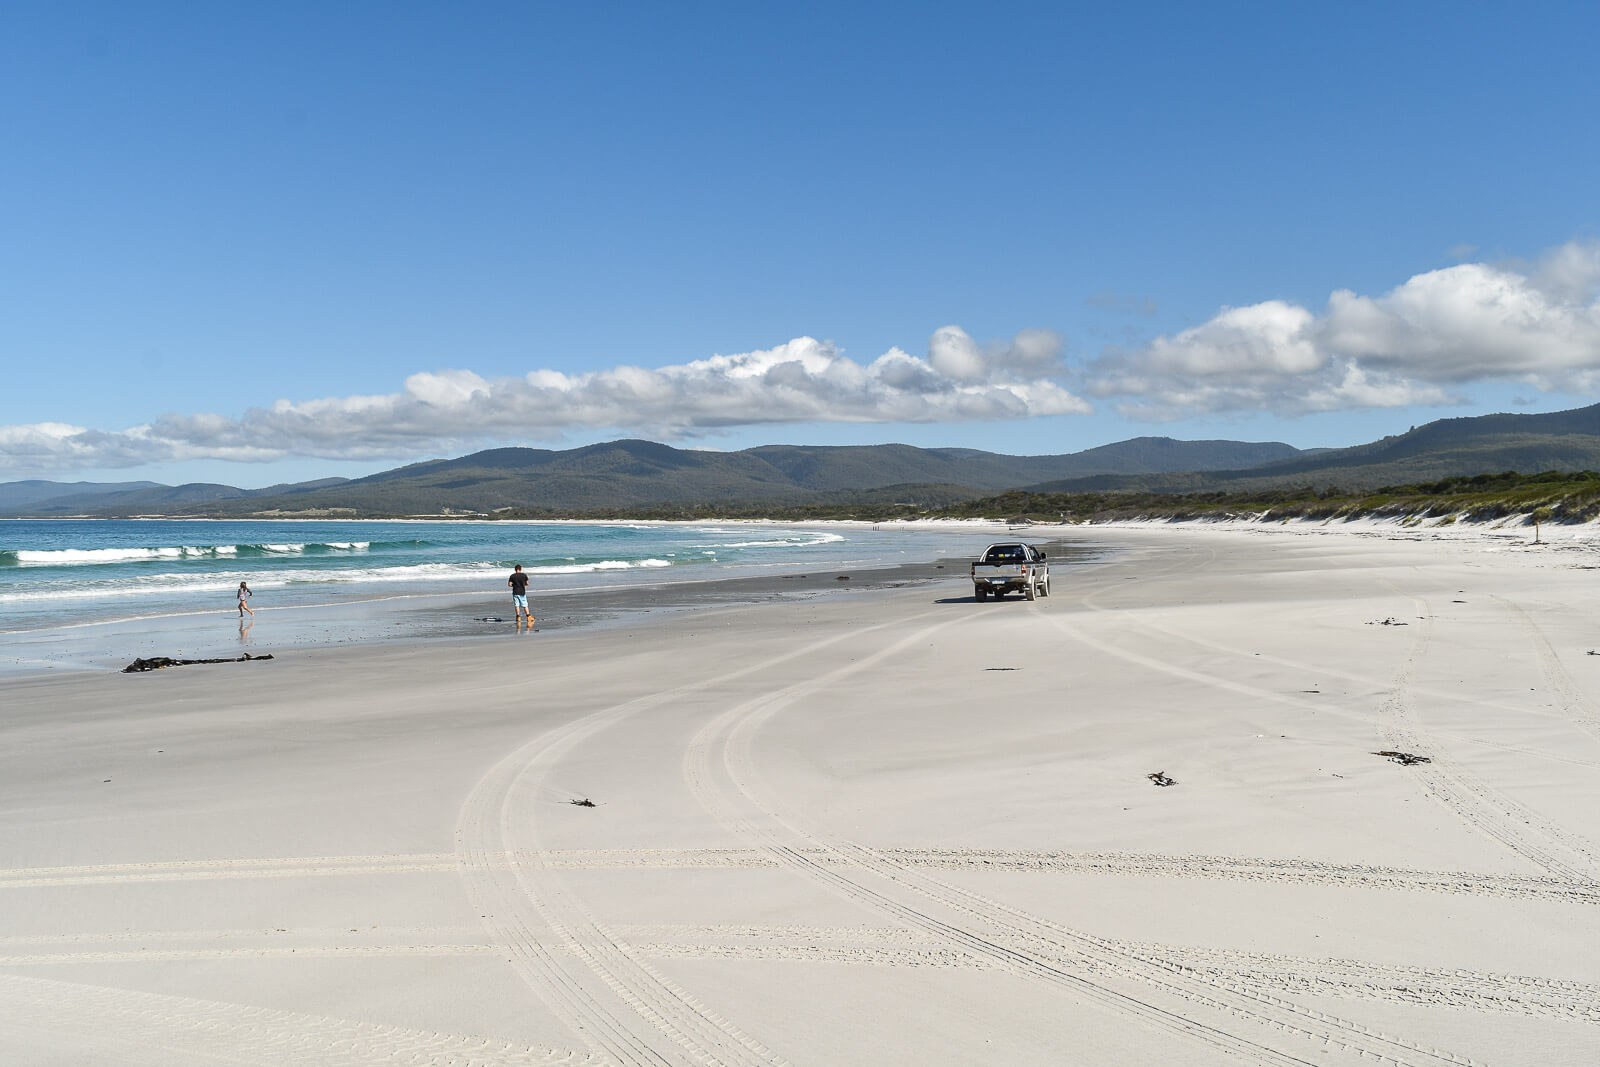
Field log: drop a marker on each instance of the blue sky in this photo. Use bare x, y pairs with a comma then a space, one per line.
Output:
256, 243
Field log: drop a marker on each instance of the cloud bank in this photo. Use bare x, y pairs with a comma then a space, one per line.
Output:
1422, 342
805, 380
1417, 344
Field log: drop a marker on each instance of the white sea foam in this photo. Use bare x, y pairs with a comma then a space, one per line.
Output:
807, 540
602, 565
71, 557
65, 557
178, 584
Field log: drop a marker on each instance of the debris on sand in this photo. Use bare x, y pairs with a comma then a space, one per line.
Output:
842, 578
155, 663
1160, 778
1390, 621
1002, 668
1405, 759
584, 803
487, 618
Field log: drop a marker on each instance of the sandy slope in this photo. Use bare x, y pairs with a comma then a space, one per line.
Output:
893, 827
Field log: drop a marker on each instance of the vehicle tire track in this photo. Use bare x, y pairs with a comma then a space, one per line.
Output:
150, 1028
992, 931
900, 948
1438, 987
1482, 808
1055, 944
516, 895
1485, 810
1325, 671
1570, 698
1043, 861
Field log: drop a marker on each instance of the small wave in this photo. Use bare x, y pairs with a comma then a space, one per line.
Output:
226, 582
223, 584
601, 565
67, 557
795, 541
77, 557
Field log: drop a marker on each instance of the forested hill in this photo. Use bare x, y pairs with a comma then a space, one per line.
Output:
618, 478
622, 474
1447, 448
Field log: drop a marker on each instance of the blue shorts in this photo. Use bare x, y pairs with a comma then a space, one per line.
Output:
519, 600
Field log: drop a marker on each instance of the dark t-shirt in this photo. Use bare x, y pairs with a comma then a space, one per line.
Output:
519, 583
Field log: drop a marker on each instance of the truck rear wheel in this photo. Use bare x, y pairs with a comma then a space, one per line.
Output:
1030, 590
981, 594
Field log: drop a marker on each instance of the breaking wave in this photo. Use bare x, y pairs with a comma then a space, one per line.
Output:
77, 557
805, 540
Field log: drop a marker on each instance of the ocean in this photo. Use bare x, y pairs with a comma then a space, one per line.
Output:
57, 576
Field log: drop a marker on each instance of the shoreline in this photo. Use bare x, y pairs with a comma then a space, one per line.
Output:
429, 617
891, 825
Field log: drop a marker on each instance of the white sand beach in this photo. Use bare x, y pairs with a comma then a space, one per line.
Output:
890, 826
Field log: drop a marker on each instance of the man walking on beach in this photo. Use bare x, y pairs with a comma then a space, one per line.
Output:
519, 594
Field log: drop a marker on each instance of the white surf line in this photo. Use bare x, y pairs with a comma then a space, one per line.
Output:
1473, 801
1054, 953
514, 893
151, 1030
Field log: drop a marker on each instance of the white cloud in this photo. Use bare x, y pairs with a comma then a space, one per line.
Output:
805, 380
1418, 343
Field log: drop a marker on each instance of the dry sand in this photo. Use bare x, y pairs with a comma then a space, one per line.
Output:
895, 826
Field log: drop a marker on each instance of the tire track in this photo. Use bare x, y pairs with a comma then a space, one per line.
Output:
1043, 861
1115, 970
1482, 808
150, 1028
1320, 670
517, 905
1570, 698
1485, 810
1436, 987
217, 869
900, 948
1087, 968
1284, 871
517, 897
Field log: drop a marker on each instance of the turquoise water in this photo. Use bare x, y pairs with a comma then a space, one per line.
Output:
67, 573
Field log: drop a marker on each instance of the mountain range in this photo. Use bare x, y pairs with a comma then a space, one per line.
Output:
644, 475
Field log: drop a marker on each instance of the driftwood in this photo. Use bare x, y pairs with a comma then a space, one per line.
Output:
1160, 778
584, 803
155, 663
